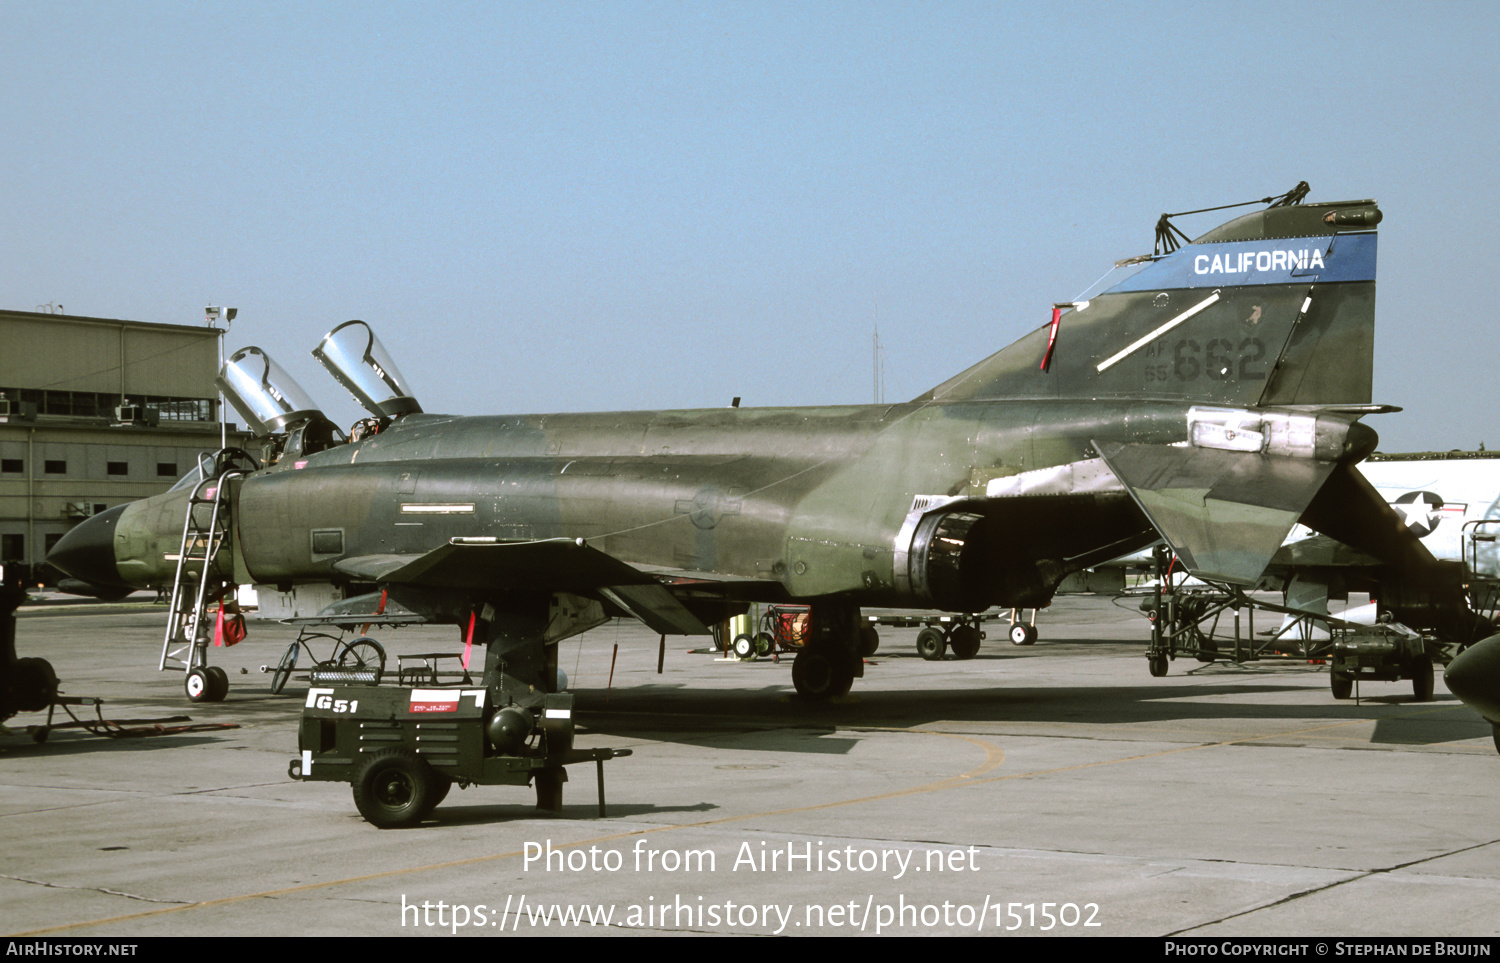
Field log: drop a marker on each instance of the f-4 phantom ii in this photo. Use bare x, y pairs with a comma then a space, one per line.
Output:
1212, 400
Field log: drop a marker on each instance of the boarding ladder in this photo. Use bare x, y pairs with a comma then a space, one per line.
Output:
205, 531
1481, 547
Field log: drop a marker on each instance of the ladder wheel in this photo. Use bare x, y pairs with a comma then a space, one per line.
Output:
198, 685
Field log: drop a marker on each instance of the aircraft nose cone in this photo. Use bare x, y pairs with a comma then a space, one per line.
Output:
87, 551
1474, 676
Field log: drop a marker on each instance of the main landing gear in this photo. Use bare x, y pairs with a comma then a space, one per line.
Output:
831, 658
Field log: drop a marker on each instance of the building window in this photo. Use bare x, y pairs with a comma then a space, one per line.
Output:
166, 469
12, 466
100, 508
57, 466
90, 404
12, 548
181, 409
117, 468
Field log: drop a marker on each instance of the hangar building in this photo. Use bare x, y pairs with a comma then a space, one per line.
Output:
96, 412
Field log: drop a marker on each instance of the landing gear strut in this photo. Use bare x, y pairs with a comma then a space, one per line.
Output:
827, 667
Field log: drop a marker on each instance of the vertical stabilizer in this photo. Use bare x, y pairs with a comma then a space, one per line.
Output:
1272, 308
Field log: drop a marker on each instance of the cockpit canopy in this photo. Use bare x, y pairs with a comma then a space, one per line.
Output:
356, 358
263, 393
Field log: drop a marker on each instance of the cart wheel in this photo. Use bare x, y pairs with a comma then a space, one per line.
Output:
744, 648
32, 685
1421, 680
1022, 634
764, 644
218, 683
284, 669
930, 644
964, 641
869, 640
1342, 685
549, 788
362, 653
395, 788
1157, 664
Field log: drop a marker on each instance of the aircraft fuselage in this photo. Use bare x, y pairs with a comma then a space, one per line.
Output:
784, 496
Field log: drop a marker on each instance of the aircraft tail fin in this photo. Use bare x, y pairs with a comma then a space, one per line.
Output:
1276, 307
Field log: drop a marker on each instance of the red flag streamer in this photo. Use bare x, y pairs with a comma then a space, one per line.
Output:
219, 627
468, 638
379, 610
1052, 336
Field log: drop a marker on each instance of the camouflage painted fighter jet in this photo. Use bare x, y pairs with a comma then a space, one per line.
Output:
1212, 399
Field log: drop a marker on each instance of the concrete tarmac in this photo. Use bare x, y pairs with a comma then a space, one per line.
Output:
1050, 790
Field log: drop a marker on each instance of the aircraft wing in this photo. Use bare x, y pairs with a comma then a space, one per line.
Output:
556, 564
1224, 513
1320, 551
1352, 511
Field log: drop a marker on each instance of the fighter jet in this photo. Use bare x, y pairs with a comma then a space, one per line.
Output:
1211, 399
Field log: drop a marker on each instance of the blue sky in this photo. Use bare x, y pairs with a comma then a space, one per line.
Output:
598, 206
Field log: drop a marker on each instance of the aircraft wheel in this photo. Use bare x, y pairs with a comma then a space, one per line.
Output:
869, 641
1421, 680
744, 648
198, 686
965, 642
218, 683
549, 788
819, 677
1341, 685
1157, 664
930, 644
1022, 634
363, 653
395, 788
764, 644
284, 669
